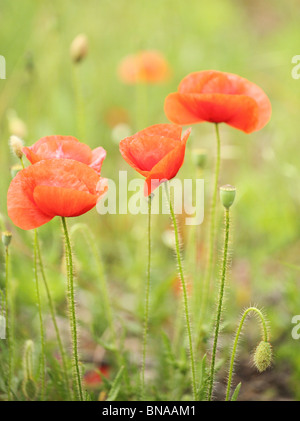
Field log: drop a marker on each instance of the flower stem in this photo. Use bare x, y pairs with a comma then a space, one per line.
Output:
185, 295
8, 324
52, 311
212, 232
72, 310
147, 296
265, 337
220, 303
42, 333
89, 238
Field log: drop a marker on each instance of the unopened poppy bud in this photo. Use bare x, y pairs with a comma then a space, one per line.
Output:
263, 356
15, 169
227, 195
6, 238
16, 146
29, 386
79, 48
200, 158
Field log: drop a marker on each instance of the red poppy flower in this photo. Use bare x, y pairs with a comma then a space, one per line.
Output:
93, 377
156, 152
53, 187
144, 67
67, 147
219, 97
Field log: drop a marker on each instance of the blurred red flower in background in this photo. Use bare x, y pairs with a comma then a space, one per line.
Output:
93, 378
156, 152
53, 187
67, 147
219, 97
144, 67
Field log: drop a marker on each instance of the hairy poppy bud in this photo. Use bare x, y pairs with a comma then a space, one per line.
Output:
200, 158
79, 48
6, 238
29, 386
15, 169
227, 195
263, 356
16, 146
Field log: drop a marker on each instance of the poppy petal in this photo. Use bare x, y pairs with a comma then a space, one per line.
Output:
60, 201
216, 96
171, 131
142, 152
98, 156
21, 209
166, 168
29, 204
238, 111
61, 148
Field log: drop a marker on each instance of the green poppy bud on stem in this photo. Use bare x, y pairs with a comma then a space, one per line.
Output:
227, 195
79, 48
29, 386
6, 238
263, 356
200, 158
16, 146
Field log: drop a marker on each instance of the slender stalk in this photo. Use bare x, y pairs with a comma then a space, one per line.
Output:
52, 311
220, 303
265, 338
8, 324
42, 333
72, 310
185, 295
212, 233
88, 235
79, 103
147, 296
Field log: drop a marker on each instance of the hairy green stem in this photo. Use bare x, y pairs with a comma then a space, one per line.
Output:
52, 311
72, 310
265, 338
147, 296
42, 333
8, 338
89, 238
220, 304
185, 295
212, 233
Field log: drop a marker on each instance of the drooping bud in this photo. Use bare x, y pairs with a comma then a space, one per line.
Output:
263, 356
16, 146
79, 48
6, 238
227, 195
200, 158
29, 386
15, 169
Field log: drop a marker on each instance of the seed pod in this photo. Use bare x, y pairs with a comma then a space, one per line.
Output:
263, 356
6, 238
227, 195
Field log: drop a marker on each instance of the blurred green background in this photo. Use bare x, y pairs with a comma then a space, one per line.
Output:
255, 39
